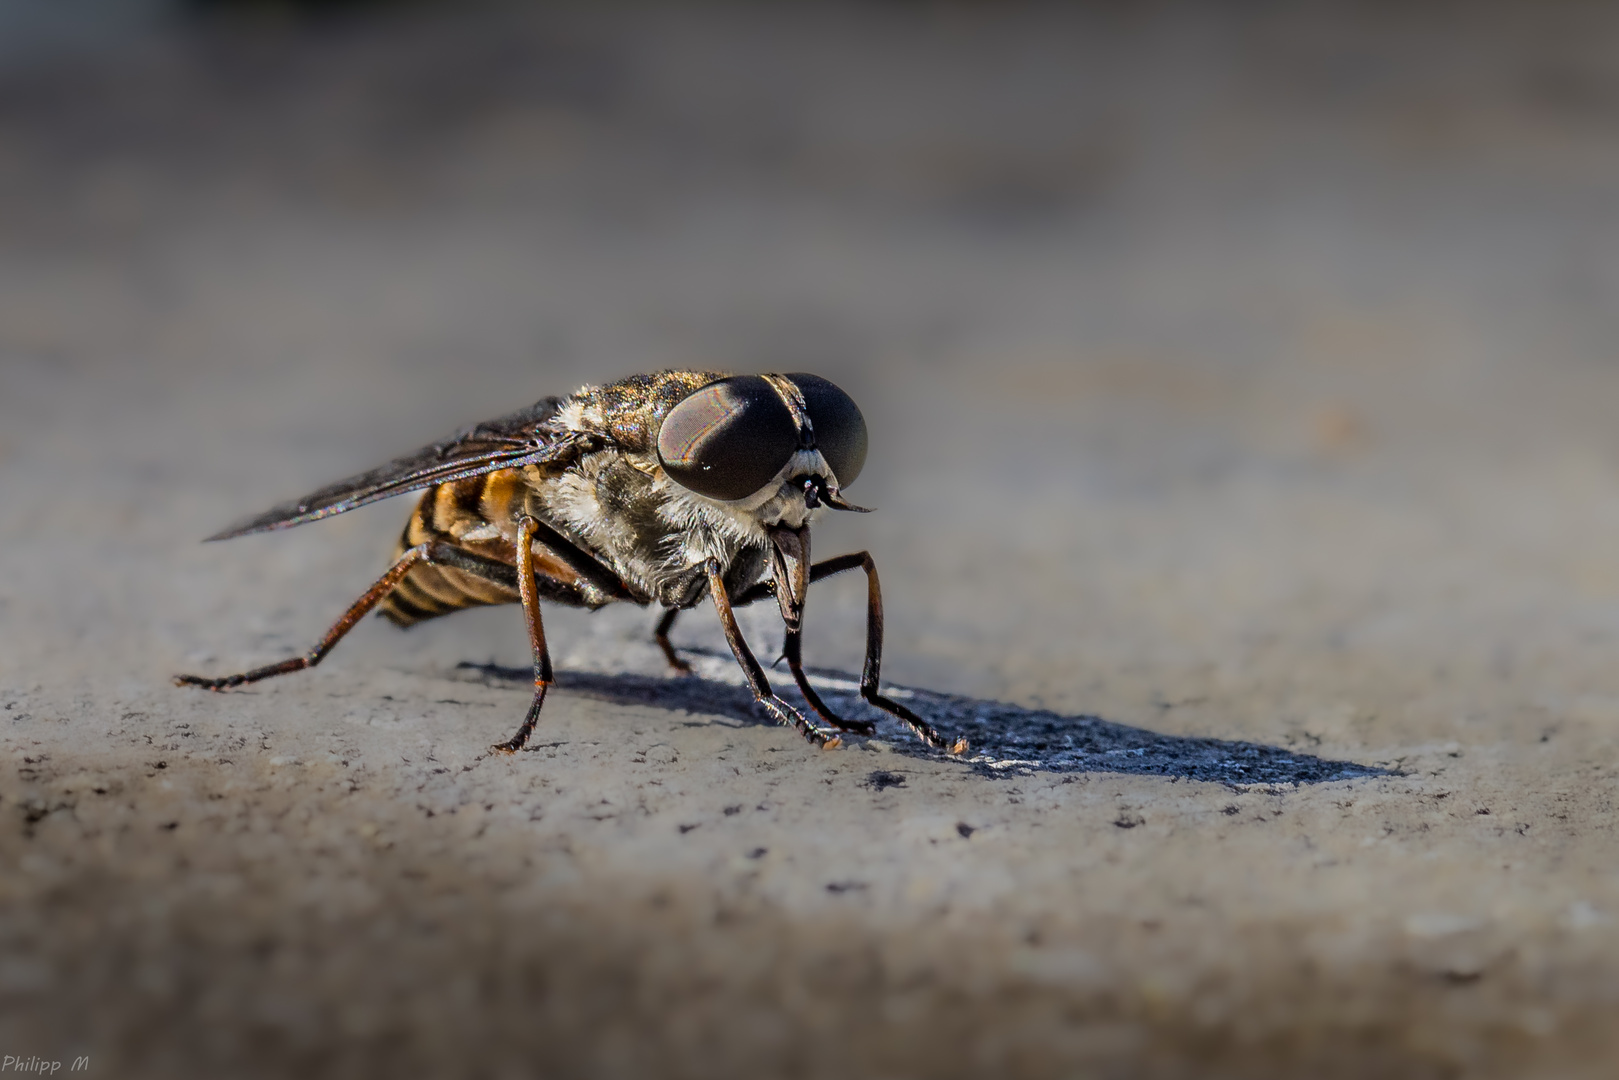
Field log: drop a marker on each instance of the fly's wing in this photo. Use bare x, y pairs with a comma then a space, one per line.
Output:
523, 438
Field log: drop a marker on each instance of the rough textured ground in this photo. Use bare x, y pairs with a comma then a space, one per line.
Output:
1242, 396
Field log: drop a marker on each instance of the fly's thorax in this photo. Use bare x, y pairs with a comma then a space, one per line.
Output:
630, 412
621, 504
603, 500
610, 504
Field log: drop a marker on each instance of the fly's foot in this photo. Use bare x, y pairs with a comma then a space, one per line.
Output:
520, 740
853, 727
218, 686
296, 663
787, 716
676, 664
919, 727
672, 658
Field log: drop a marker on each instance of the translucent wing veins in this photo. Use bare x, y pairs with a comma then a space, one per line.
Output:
523, 438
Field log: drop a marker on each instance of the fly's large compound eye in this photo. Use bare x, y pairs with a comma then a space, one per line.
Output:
840, 430
728, 439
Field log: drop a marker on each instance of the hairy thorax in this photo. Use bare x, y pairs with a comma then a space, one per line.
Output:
616, 502
657, 536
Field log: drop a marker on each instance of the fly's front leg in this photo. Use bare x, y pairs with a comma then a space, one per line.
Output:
529, 589
792, 651
661, 636
870, 676
433, 552
783, 712
790, 583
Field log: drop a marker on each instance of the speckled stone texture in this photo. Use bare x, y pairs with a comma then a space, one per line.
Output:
1241, 388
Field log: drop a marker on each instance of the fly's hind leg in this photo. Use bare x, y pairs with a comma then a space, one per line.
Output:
435, 552
661, 636
521, 577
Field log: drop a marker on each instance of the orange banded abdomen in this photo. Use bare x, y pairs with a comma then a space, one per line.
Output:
446, 513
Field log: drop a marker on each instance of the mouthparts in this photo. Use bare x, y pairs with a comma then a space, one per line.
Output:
790, 554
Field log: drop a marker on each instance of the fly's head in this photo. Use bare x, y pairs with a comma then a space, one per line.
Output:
760, 457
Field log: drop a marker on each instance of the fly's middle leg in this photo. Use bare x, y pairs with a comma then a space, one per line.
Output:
661, 636
529, 589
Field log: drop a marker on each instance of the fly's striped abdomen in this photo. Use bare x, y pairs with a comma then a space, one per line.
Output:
448, 513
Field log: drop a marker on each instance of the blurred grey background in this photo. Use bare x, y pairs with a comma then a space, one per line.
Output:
1238, 372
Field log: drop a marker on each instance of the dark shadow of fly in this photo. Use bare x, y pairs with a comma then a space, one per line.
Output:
1007, 740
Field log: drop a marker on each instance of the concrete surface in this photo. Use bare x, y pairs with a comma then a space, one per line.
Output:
1241, 393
